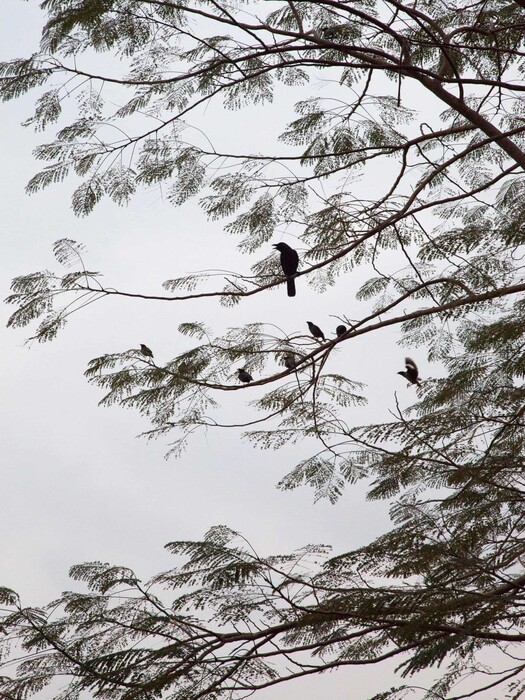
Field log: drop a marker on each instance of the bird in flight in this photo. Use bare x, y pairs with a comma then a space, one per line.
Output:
412, 372
289, 263
315, 330
145, 350
244, 376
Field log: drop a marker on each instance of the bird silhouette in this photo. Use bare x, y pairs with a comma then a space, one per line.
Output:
315, 330
289, 362
244, 376
289, 263
340, 330
412, 372
145, 350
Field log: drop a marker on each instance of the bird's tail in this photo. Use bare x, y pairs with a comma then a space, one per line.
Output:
290, 285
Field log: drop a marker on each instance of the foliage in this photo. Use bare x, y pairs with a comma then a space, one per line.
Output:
430, 95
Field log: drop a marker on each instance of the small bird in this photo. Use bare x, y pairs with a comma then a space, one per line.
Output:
328, 33
244, 376
412, 372
145, 350
315, 330
289, 263
289, 362
183, 368
340, 330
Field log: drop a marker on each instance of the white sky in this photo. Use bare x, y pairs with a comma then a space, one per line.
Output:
75, 483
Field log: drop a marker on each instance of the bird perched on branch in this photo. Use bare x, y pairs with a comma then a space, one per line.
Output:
289, 362
340, 330
412, 372
145, 350
289, 263
244, 376
315, 330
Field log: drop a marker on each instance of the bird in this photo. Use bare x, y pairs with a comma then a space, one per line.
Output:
289, 263
328, 33
340, 330
145, 350
412, 372
244, 376
183, 368
289, 362
315, 330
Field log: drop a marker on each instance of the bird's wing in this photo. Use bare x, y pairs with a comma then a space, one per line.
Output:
409, 363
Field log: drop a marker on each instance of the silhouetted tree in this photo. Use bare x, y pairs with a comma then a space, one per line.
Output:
430, 94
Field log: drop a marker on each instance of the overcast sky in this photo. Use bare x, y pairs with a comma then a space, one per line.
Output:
76, 483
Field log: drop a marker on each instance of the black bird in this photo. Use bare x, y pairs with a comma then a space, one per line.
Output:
289, 362
244, 376
340, 330
145, 350
315, 330
183, 368
289, 263
412, 372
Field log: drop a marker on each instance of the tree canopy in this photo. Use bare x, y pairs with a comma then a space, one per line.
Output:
411, 168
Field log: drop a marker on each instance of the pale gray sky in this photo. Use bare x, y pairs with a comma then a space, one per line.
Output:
76, 484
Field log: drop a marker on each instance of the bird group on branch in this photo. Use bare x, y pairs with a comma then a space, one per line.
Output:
290, 264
